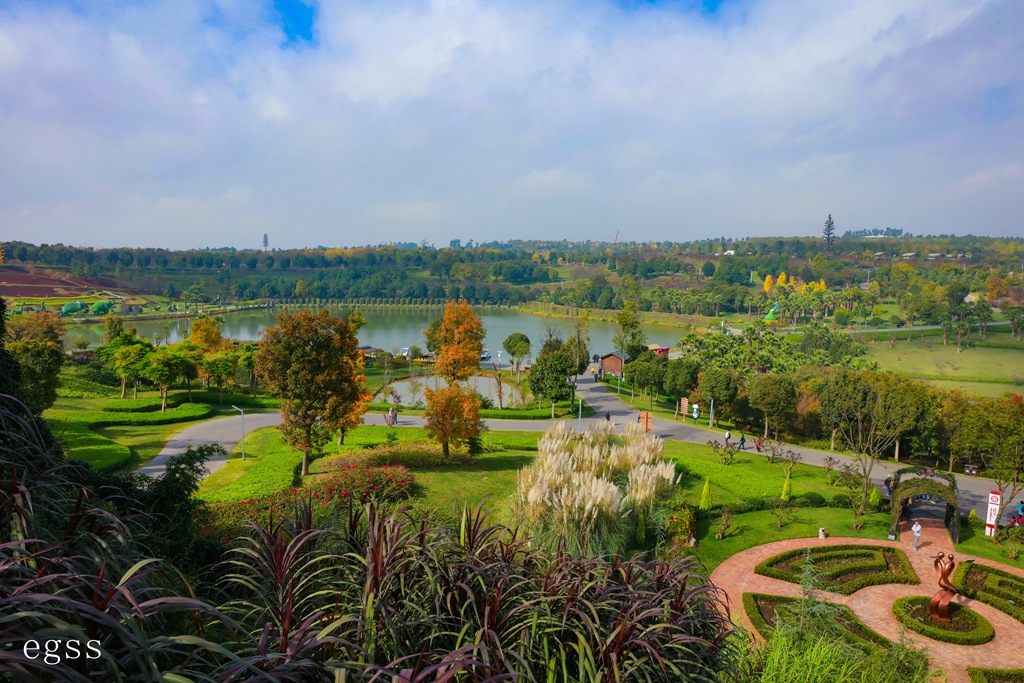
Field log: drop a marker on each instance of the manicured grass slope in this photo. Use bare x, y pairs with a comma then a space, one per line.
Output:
270, 464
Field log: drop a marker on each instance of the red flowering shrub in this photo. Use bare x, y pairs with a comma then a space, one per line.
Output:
344, 485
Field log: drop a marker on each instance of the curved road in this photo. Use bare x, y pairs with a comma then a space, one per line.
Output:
228, 430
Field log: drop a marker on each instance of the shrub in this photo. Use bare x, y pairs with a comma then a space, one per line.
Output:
875, 498
705, 496
186, 412
994, 587
787, 489
584, 492
966, 626
840, 500
343, 484
995, 675
812, 499
141, 405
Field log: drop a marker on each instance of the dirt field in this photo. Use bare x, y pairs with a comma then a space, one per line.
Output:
20, 283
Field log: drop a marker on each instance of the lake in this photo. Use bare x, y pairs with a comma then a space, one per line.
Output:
388, 328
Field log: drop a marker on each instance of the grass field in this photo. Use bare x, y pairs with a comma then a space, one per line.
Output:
270, 464
756, 528
999, 362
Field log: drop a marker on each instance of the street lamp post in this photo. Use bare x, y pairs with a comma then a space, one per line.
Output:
499, 361
579, 422
243, 429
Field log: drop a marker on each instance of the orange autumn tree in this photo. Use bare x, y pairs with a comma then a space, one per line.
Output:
460, 341
453, 413
312, 362
205, 332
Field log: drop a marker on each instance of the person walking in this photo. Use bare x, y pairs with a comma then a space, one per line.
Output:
608, 417
757, 444
728, 436
917, 533
888, 487
743, 442
639, 413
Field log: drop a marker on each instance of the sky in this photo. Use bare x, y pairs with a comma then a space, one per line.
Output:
207, 123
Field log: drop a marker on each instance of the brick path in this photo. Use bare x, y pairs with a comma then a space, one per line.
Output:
873, 605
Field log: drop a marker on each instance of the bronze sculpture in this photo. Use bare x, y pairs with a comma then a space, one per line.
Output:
938, 608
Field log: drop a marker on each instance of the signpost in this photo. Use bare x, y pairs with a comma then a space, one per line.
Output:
993, 513
684, 406
646, 419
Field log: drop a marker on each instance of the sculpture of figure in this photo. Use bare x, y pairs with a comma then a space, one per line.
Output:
938, 608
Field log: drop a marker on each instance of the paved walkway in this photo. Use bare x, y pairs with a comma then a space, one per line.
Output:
227, 431
873, 605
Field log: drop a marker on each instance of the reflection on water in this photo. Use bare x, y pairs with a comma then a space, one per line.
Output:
409, 392
388, 328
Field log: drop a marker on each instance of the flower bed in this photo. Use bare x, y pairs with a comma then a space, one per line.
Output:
845, 568
965, 627
344, 485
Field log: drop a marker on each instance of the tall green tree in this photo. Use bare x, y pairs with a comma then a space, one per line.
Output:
219, 368
517, 346
648, 373
774, 394
128, 363
720, 385
681, 376
870, 411
39, 365
629, 339
10, 371
549, 379
163, 367
311, 361
829, 233
1005, 441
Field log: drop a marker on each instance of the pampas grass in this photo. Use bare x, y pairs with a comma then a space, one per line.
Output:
585, 491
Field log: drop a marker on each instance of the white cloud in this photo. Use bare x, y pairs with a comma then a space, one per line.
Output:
184, 122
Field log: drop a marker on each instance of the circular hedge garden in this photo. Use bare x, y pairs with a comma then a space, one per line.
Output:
844, 569
965, 627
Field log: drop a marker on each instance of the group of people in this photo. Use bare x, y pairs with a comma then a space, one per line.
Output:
742, 441
391, 418
1018, 520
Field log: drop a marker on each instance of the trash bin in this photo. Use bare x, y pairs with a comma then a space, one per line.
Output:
821, 533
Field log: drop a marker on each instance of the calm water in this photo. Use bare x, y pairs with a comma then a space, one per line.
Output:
389, 328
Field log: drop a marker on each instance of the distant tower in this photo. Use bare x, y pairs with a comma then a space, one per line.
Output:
266, 242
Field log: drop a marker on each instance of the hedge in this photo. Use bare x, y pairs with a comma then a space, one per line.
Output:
186, 412
141, 405
905, 574
981, 630
854, 629
995, 675
993, 594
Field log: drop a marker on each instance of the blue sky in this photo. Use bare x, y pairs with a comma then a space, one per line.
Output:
189, 123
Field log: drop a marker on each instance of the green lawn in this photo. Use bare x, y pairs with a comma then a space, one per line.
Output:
269, 466
974, 543
999, 360
756, 528
749, 476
